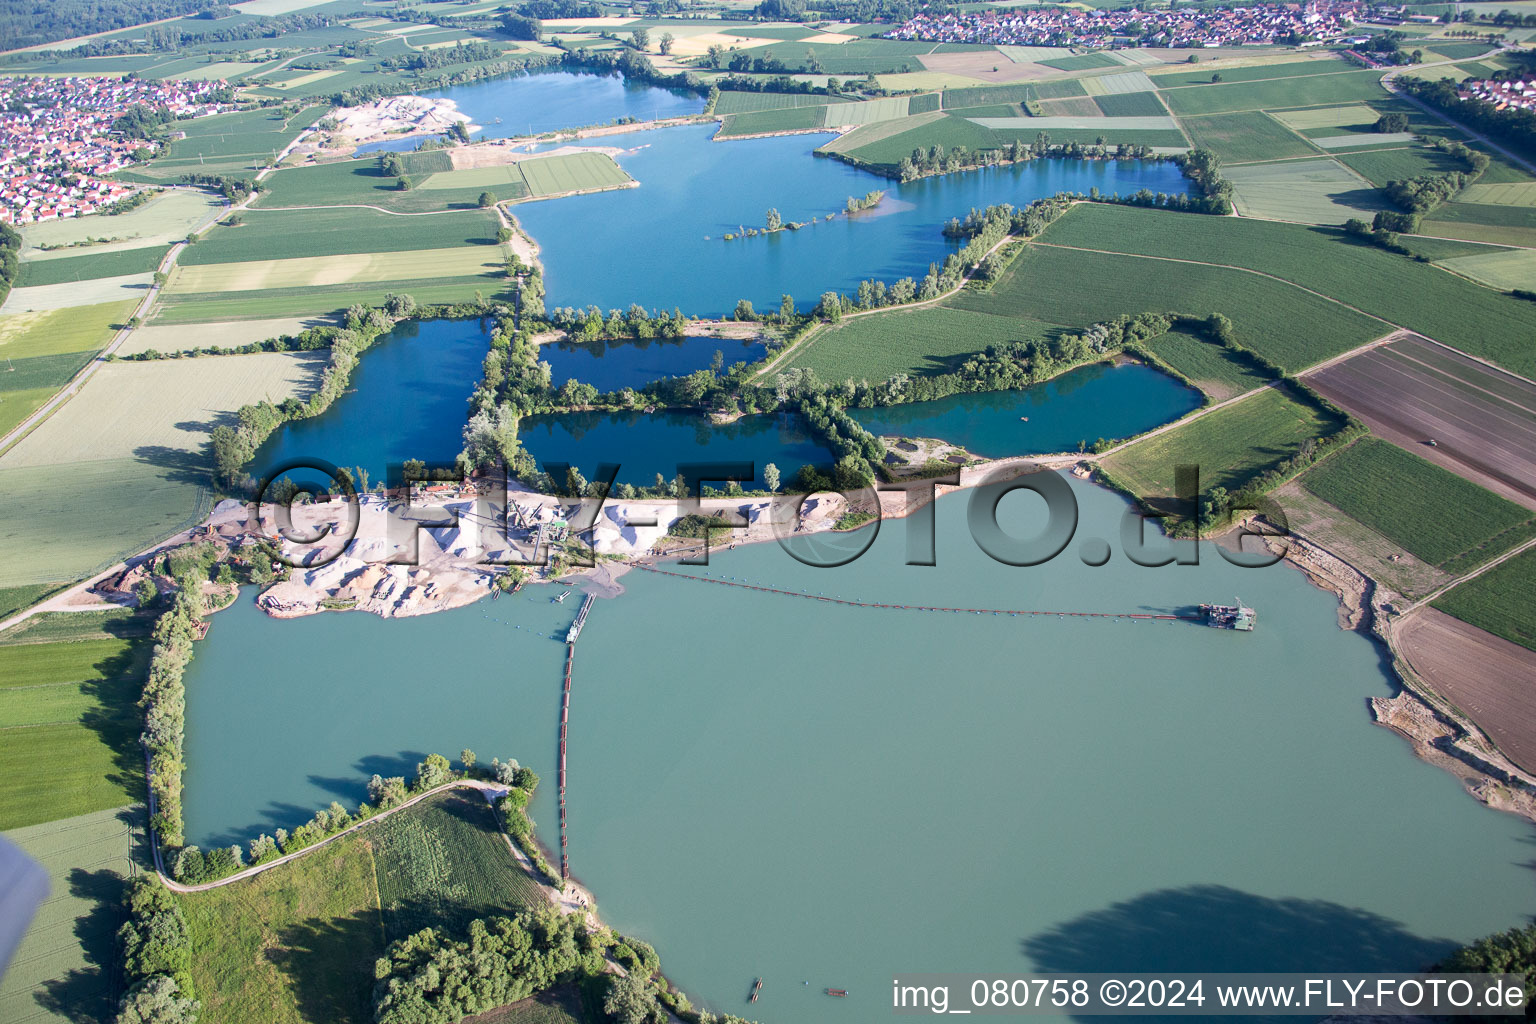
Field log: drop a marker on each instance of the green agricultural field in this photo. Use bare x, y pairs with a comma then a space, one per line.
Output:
1076, 107
321, 271
1053, 90
63, 969
76, 329
1516, 218
1218, 371
1402, 291
91, 265
1231, 446
74, 707
1181, 75
1082, 62
1435, 515
573, 172
1508, 194
738, 102
869, 112
1328, 118
1299, 91
1286, 325
763, 122
294, 945
869, 134
1131, 104
1501, 600
445, 862
1315, 191
1384, 165
934, 339
16, 406
216, 307
276, 234
131, 409
229, 143
1458, 50
1504, 269
17, 599
505, 177
947, 131
1246, 136
57, 627
359, 182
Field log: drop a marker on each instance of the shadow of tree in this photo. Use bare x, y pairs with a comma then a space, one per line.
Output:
88, 994
115, 716
179, 465
329, 965
1216, 928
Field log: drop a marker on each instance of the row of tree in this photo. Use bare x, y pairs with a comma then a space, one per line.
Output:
591, 325
1513, 126
156, 950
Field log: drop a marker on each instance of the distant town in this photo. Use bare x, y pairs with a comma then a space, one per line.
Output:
1251, 25
60, 137
1513, 94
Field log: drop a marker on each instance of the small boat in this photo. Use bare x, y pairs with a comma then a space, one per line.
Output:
841, 993
560, 599
757, 986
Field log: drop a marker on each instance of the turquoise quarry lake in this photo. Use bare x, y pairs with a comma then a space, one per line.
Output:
823, 795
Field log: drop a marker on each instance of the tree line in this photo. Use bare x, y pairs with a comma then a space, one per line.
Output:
1512, 126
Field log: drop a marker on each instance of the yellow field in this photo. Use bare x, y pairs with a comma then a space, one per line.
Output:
314, 271
1518, 193
61, 330
147, 410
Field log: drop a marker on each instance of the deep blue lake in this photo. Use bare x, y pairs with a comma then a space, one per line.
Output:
409, 399
661, 244
610, 365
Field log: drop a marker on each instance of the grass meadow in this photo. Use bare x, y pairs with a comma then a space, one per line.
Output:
1231, 446
294, 944
1501, 600
1435, 515
1384, 165
573, 172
